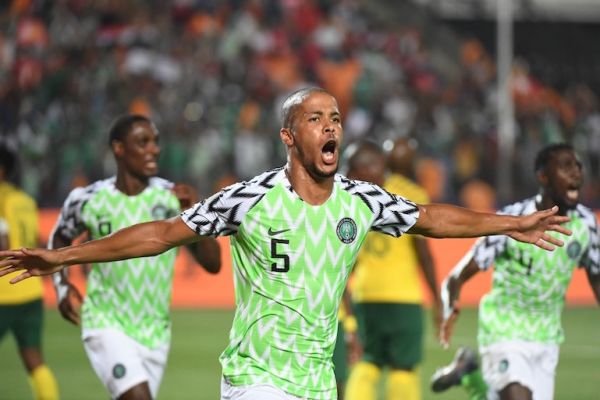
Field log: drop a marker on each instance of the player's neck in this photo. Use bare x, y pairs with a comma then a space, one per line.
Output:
129, 184
313, 191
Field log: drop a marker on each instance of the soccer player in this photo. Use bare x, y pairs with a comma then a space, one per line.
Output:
295, 233
386, 287
520, 318
125, 321
21, 308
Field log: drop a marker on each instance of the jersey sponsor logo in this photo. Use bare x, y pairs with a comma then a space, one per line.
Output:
271, 232
160, 211
573, 249
346, 230
119, 371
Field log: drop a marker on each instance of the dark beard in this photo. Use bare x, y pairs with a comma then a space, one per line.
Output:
312, 169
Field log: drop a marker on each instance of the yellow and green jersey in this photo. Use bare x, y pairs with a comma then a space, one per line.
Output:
20, 214
387, 269
133, 295
529, 284
291, 262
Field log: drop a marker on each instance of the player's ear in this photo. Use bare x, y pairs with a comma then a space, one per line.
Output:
286, 136
118, 148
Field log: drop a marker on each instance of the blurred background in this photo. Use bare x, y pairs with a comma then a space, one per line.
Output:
212, 75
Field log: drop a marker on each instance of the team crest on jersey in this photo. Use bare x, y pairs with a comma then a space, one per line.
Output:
573, 249
119, 371
159, 212
346, 230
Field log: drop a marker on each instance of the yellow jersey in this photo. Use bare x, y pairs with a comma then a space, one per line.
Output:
387, 268
20, 213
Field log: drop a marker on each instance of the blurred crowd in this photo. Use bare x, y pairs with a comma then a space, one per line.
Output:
212, 75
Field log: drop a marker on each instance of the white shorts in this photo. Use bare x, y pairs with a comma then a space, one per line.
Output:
121, 362
530, 364
253, 392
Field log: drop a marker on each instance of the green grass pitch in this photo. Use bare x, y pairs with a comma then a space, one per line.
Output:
199, 336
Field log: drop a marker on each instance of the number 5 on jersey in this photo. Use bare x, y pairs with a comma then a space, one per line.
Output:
277, 253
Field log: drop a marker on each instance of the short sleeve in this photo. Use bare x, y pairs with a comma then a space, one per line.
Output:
393, 214
222, 213
590, 259
486, 249
70, 222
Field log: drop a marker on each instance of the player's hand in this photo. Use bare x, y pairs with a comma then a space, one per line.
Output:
186, 195
70, 304
534, 227
447, 326
34, 262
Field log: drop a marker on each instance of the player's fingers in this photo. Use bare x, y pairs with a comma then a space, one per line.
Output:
543, 244
551, 239
10, 253
23, 276
560, 229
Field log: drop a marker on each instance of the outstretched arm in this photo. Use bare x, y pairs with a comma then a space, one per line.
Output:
461, 273
140, 240
444, 220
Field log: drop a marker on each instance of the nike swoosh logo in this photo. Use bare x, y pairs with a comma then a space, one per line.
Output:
273, 233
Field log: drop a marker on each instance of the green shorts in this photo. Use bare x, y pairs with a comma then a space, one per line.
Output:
24, 321
391, 334
340, 356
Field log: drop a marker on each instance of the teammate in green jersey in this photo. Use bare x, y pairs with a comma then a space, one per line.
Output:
519, 319
295, 233
125, 319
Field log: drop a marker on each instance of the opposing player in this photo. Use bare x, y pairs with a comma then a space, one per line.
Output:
520, 318
21, 308
125, 321
386, 286
295, 233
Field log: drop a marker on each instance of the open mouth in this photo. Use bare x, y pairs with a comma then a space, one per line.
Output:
328, 152
572, 194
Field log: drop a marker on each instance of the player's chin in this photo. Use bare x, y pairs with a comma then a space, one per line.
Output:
327, 171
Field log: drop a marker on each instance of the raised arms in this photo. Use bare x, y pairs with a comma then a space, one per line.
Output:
443, 220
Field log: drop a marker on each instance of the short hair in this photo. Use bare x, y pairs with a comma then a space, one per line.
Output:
122, 125
293, 101
8, 160
544, 155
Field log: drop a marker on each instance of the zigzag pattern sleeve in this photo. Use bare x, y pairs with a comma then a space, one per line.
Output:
222, 213
487, 249
392, 214
70, 223
590, 259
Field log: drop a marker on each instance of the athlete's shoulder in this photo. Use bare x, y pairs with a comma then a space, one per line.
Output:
84, 193
587, 215
157, 182
521, 207
255, 187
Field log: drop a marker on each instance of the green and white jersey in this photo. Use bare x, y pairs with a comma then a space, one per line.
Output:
529, 284
291, 262
134, 295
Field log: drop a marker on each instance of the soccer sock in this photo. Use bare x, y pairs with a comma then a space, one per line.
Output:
43, 383
403, 385
475, 385
362, 383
